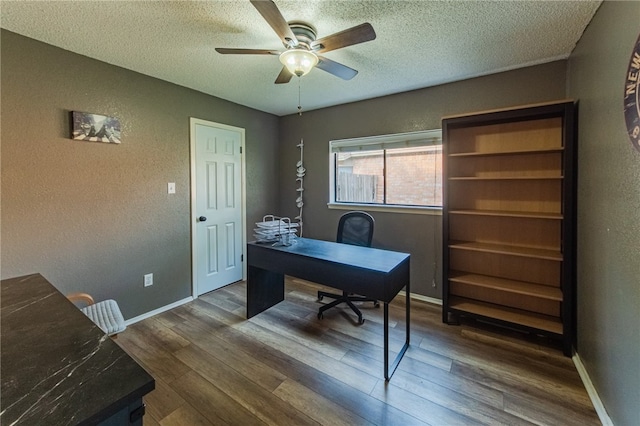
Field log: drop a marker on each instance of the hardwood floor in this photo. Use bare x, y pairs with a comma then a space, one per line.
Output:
285, 367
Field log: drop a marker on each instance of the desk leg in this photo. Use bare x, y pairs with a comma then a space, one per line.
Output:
387, 373
264, 289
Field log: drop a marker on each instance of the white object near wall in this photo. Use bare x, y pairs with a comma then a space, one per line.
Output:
300, 172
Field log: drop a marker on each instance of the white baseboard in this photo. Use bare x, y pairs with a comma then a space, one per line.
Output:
149, 314
591, 390
422, 298
158, 311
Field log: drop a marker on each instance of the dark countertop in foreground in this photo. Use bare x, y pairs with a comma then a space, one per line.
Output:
59, 368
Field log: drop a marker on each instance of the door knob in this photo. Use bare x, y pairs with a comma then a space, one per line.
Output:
202, 219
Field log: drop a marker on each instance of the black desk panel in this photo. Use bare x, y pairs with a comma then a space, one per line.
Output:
375, 273
58, 367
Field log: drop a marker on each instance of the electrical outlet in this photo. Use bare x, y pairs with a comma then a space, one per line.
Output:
148, 280
171, 188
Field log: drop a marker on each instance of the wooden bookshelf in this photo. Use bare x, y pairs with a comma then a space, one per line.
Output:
531, 215
507, 152
509, 219
488, 311
506, 249
504, 177
510, 286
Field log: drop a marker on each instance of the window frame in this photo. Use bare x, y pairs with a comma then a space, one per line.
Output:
397, 140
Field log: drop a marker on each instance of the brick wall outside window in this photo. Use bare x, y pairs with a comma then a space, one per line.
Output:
410, 176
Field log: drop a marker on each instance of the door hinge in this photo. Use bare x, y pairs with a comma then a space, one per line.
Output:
242, 258
240, 150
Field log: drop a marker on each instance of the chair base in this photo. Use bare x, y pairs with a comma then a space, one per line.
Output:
347, 298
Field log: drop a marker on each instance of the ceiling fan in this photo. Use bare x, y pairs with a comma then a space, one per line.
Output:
302, 47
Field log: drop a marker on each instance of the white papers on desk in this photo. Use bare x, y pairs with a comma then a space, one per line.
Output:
275, 230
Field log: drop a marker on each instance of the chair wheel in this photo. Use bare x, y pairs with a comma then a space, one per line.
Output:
361, 321
320, 298
376, 304
320, 316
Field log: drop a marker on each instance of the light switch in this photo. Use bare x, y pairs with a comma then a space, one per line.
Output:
171, 187
148, 280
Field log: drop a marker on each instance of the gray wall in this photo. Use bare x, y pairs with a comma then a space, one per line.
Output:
419, 235
608, 212
96, 217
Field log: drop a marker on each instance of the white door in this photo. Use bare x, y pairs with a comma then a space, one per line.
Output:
217, 205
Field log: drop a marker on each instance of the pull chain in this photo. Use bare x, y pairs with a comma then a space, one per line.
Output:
299, 106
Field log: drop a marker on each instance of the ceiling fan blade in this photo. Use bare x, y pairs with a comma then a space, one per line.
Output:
348, 37
226, 51
284, 76
336, 68
272, 15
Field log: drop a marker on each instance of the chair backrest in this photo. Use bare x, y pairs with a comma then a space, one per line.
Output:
355, 228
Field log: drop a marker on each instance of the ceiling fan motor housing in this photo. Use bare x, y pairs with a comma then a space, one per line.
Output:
305, 33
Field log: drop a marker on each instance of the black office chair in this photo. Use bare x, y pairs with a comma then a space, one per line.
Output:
355, 228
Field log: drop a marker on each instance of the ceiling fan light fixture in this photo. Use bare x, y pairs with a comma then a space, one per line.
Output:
298, 61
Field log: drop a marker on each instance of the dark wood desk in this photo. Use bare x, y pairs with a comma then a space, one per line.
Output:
58, 367
379, 274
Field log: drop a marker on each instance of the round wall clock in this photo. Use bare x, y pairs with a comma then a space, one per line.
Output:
631, 99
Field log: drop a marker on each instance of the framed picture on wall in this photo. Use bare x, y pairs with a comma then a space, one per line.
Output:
95, 127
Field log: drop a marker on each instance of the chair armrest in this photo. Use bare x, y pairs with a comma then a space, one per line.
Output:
81, 297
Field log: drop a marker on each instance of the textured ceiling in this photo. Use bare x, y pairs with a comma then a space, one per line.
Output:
419, 43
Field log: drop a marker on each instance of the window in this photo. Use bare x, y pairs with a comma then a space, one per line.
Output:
392, 170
